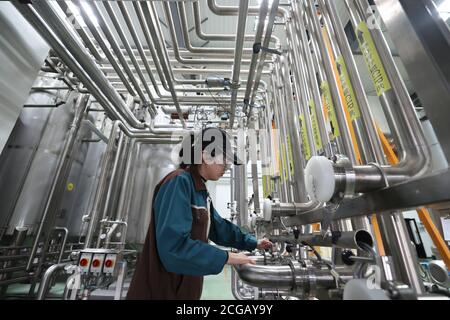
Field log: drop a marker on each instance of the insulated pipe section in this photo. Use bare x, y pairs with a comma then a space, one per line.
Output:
345, 240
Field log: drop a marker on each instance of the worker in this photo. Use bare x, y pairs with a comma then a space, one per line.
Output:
176, 253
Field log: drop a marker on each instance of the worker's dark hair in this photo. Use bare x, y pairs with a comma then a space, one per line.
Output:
215, 139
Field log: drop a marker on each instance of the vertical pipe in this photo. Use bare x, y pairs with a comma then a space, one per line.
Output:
240, 33
254, 61
253, 151
303, 97
373, 141
266, 43
312, 71
166, 68
293, 138
393, 94
277, 139
232, 195
331, 76
101, 187
405, 256
241, 184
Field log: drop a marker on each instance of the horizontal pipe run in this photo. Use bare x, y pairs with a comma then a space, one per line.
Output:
220, 37
13, 269
176, 47
15, 280
14, 258
277, 277
101, 43
94, 88
290, 277
234, 10
346, 240
82, 57
187, 41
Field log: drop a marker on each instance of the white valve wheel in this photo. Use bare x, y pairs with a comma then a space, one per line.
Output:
267, 210
319, 178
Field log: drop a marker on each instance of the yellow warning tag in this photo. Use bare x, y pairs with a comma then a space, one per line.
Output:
290, 155
329, 106
305, 143
350, 98
278, 160
264, 186
372, 59
315, 125
284, 174
70, 186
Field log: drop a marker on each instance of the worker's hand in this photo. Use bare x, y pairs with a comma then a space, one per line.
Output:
238, 259
264, 244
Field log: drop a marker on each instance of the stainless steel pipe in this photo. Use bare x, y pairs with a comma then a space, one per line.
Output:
345, 240
235, 75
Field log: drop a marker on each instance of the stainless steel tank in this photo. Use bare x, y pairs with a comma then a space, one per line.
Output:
33, 152
81, 181
17, 157
153, 164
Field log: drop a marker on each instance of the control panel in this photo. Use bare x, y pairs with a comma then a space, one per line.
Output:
98, 261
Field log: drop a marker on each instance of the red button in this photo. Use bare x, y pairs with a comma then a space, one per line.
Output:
108, 263
95, 263
84, 262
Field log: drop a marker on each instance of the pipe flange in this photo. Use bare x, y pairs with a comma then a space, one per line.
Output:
235, 85
344, 162
274, 206
294, 265
310, 279
302, 279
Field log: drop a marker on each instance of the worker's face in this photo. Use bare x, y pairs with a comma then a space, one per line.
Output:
214, 167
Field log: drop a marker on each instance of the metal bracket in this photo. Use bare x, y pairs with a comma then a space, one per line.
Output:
350, 176
257, 48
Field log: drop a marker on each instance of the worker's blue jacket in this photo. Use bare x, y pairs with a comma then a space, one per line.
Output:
176, 253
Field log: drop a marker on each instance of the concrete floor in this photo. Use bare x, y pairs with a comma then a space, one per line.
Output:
218, 287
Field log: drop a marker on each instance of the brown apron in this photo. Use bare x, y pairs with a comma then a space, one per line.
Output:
151, 281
